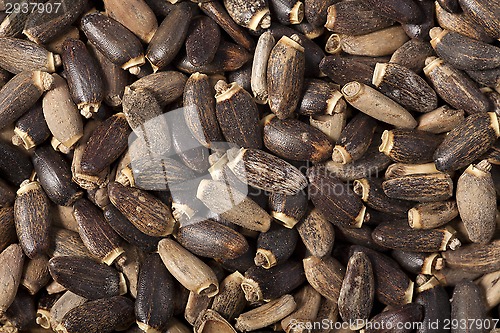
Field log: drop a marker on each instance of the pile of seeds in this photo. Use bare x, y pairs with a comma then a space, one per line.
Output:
249, 165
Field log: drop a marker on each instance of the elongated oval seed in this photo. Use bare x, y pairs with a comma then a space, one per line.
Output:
10, 274
19, 55
259, 67
420, 187
377, 105
202, 40
190, 271
31, 129
325, 275
288, 210
466, 304
440, 120
317, 234
166, 86
253, 14
432, 215
409, 146
475, 257
275, 246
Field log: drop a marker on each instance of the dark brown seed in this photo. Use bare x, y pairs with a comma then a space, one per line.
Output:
87, 278
288, 210
452, 276
315, 11
418, 262
229, 57
13, 23
317, 234
15, 166
238, 115
55, 176
401, 237
31, 129
467, 306
7, 227
143, 210
455, 152
321, 97
114, 312
358, 290
484, 13
21, 93
463, 52
355, 139
475, 257
83, 75
308, 305
441, 120
371, 192
454, 87
265, 171
405, 316
44, 27
476, 201
409, 146
268, 284
19, 55
452, 6
101, 240
285, 76
199, 110
402, 11
420, 187
155, 295
218, 13
65, 242
325, 275
288, 11
432, 215
208, 238
343, 70
275, 246
412, 55
309, 31
337, 202
420, 30
436, 303
202, 40
253, 15
405, 87
392, 285
106, 143
361, 236
170, 36
230, 301
31, 215
22, 312
36, 274
12, 259
114, 41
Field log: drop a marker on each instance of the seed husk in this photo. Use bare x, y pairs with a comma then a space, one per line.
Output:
321, 98
477, 258
141, 20
61, 114
217, 12
169, 37
265, 171
285, 69
10, 274
325, 275
288, 11
355, 139
115, 312
432, 215
412, 55
420, 187
31, 216
377, 105
20, 93
328, 311
114, 41
263, 50
106, 143
253, 15
7, 227
129, 263
230, 301
343, 70
196, 304
331, 125
454, 87
266, 314
208, 238
408, 313
483, 13
143, 210
83, 75
308, 304
86, 277
355, 18
155, 295
210, 321
202, 40
44, 27
358, 290
98, 236
63, 305
55, 176
467, 306
371, 192
409, 146
440, 120
20, 55
476, 201
186, 268
317, 234
489, 285
392, 285
402, 169
287, 210
31, 128
337, 202
455, 152
275, 246
238, 115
